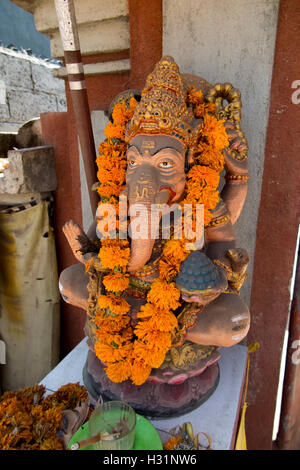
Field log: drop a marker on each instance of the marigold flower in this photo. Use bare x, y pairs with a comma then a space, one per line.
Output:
112, 131
113, 175
107, 149
201, 173
119, 371
119, 114
111, 353
202, 108
111, 324
29, 421
110, 189
175, 251
113, 339
159, 339
147, 311
210, 199
172, 443
140, 371
115, 243
151, 354
114, 161
207, 156
164, 321
164, 295
116, 304
214, 131
194, 97
122, 113
52, 443
116, 282
114, 256
207, 216
168, 270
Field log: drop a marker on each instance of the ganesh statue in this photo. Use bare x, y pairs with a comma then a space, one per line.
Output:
161, 289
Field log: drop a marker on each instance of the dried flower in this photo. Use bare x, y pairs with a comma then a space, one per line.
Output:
28, 421
172, 443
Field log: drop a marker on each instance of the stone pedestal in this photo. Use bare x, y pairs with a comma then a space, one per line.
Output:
218, 416
156, 400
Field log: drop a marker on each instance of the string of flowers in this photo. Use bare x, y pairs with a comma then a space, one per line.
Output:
131, 352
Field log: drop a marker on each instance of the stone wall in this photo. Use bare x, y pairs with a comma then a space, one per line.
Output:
27, 89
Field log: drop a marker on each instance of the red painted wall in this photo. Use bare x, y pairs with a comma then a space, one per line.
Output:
276, 231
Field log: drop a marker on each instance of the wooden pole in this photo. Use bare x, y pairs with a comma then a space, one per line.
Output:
69, 35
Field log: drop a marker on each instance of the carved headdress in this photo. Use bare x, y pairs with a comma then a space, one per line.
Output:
162, 108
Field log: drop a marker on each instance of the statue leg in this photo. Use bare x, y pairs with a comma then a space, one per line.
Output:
73, 283
223, 322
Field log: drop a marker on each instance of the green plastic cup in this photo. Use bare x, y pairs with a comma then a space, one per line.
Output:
115, 421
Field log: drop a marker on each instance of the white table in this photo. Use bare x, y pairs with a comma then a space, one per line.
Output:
217, 417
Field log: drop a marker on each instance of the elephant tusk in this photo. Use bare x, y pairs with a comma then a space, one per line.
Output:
164, 196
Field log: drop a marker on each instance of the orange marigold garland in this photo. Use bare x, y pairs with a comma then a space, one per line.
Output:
131, 352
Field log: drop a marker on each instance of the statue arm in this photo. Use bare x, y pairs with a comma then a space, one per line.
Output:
236, 165
225, 319
219, 235
84, 246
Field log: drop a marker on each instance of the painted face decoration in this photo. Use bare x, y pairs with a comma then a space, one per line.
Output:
155, 163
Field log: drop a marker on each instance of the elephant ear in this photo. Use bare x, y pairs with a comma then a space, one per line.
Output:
124, 95
199, 83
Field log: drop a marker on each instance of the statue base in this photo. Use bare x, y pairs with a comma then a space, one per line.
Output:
152, 400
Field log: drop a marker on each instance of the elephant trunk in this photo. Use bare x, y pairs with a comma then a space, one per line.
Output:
141, 248
141, 202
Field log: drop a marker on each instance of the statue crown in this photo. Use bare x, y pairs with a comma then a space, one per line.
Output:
162, 108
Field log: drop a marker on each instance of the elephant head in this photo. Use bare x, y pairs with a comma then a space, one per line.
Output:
155, 175
161, 133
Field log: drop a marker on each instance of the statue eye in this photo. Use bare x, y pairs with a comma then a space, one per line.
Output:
165, 164
132, 163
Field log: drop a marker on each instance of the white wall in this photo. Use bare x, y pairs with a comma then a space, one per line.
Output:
230, 41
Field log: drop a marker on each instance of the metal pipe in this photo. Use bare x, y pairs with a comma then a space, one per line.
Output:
69, 35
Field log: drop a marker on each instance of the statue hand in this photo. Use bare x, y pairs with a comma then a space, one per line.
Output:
200, 280
74, 234
238, 144
201, 300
